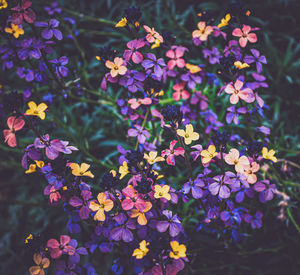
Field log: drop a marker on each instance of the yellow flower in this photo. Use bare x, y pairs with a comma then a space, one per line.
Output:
103, 206
189, 135
240, 65
193, 68
81, 170
152, 157
156, 44
178, 250
98, 57
39, 163
268, 154
30, 237
142, 220
208, 154
142, 251
35, 110
162, 192
123, 170
3, 4
15, 30
122, 23
31, 169
41, 264
224, 21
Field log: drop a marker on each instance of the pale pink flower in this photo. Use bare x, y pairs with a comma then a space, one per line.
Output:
245, 35
233, 158
203, 31
237, 92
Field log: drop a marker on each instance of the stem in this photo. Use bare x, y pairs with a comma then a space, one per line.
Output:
288, 210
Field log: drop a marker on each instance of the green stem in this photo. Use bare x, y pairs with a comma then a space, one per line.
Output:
288, 210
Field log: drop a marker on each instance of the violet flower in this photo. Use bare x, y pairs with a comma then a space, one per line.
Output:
172, 223
213, 55
201, 99
191, 79
153, 62
141, 134
132, 80
233, 114
50, 29
132, 53
257, 58
122, 232
265, 189
75, 258
255, 221
219, 187
59, 65
53, 147
32, 153
196, 187
84, 203
31, 48
52, 9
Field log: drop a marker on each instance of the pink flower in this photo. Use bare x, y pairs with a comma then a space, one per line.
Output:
180, 92
23, 11
136, 103
236, 92
152, 34
175, 54
14, 124
171, 153
132, 198
244, 35
203, 31
57, 249
249, 171
132, 53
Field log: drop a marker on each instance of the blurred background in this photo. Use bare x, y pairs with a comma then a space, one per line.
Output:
275, 248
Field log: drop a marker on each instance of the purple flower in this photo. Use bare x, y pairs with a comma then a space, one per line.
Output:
31, 48
78, 251
172, 223
196, 154
231, 217
65, 268
201, 99
213, 55
256, 221
52, 9
53, 147
122, 232
219, 187
233, 47
196, 187
153, 62
133, 80
59, 65
191, 79
141, 134
132, 53
233, 114
259, 82
265, 189
84, 202
32, 153
27, 74
50, 29
257, 58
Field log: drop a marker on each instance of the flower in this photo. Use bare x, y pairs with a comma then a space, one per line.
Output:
123, 170
136, 103
193, 68
82, 170
58, 248
213, 55
162, 192
142, 220
15, 30
244, 35
122, 23
42, 263
35, 110
208, 154
196, 186
53, 147
172, 223
240, 65
100, 208
266, 154
83, 203
203, 31
116, 67
50, 29
219, 187
237, 93
142, 251
59, 64
14, 124
171, 153
178, 250
176, 53
132, 198
132, 53
224, 21
122, 232
3, 4
233, 114
257, 58
140, 132
249, 171
152, 157
23, 11
153, 62
189, 135
152, 34
233, 158
180, 92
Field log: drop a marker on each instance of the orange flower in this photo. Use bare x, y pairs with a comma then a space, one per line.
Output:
103, 206
42, 263
203, 31
116, 67
142, 220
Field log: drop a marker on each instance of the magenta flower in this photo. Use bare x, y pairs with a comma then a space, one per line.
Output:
172, 222
132, 53
141, 134
176, 53
50, 29
244, 35
83, 203
257, 58
171, 153
237, 92
132, 199
180, 92
23, 11
57, 249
